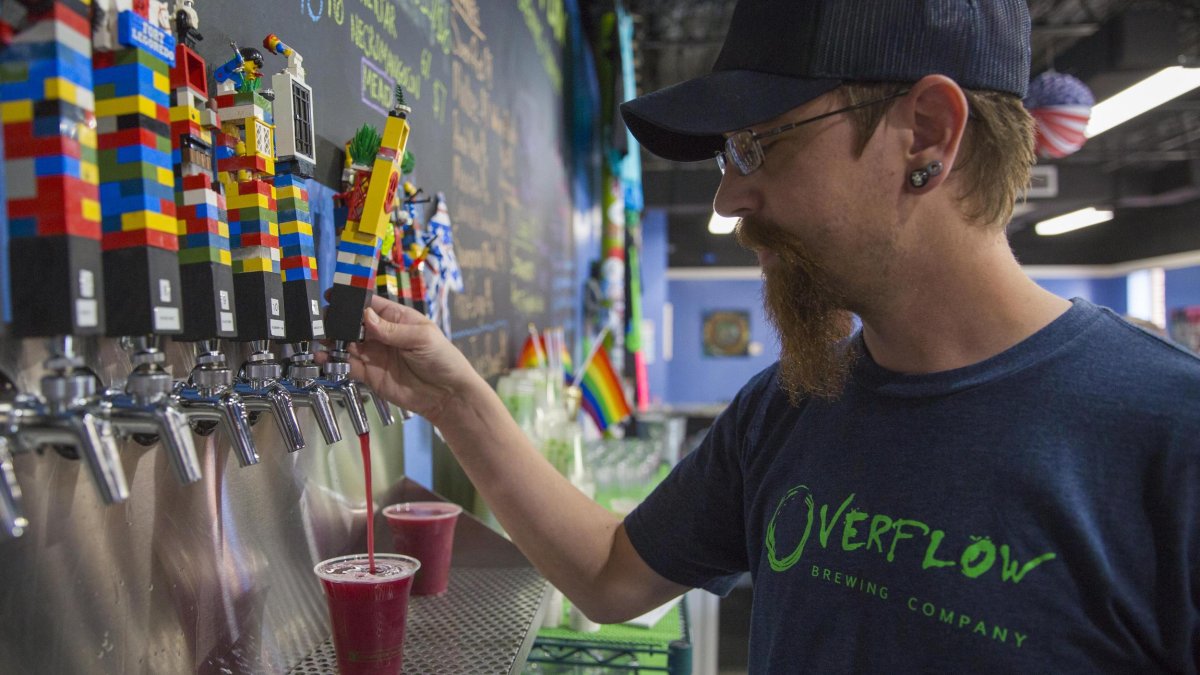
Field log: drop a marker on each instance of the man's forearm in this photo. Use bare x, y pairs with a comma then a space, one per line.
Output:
570, 538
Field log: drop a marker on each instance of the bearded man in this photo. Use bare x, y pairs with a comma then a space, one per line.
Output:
983, 478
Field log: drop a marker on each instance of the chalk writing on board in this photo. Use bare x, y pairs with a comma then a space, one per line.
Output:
528, 303
477, 302
488, 352
426, 63
377, 88
385, 14
556, 18
468, 11
486, 256
547, 53
439, 101
313, 9
473, 52
432, 19
375, 47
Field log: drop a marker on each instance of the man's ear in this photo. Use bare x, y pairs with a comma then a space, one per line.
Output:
936, 111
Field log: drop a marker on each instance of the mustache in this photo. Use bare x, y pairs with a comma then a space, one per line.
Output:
756, 233
759, 234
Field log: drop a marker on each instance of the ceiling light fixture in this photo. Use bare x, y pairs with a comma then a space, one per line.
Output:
1166, 84
719, 224
1073, 221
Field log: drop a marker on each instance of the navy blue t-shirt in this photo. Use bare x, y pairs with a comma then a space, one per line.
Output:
1035, 512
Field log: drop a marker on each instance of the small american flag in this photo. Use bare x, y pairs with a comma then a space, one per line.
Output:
1061, 106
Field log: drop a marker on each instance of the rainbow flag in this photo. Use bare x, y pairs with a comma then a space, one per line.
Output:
603, 398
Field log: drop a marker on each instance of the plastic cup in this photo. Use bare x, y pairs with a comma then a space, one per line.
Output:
425, 531
368, 611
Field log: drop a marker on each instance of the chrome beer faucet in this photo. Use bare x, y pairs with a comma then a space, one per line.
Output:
351, 392
66, 416
258, 383
302, 382
208, 400
146, 410
12, 518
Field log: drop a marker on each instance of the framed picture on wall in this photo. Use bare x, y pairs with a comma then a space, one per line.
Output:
727, 333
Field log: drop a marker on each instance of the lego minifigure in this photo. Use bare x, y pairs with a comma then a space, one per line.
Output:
242, 73
187, 23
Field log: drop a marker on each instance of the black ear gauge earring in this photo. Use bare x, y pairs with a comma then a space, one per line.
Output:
920, 177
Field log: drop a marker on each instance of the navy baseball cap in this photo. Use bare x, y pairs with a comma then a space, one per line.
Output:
780, 54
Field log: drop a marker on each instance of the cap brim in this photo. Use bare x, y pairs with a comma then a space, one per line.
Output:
686, 122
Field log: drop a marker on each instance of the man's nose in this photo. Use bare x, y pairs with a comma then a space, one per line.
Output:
736, 197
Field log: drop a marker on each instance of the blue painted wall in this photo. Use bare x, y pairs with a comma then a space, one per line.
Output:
1183, 287
654, 296
698, 379
1108, 292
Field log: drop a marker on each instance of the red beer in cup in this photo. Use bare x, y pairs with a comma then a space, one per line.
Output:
425, 531
368, 611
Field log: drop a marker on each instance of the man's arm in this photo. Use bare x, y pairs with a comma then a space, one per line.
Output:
574, 542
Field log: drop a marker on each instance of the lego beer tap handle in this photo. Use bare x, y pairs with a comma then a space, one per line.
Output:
361, 238
51, 187
137, 183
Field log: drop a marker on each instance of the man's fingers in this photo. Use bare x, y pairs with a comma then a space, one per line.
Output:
394, 311
392, 333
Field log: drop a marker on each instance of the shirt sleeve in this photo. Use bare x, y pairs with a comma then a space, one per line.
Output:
691, 529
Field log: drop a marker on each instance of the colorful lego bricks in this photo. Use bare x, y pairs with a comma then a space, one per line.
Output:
301, 291
358, 247
295, 158
137, 185
5, 298
47, 110
205, 262
246, 163
387, 284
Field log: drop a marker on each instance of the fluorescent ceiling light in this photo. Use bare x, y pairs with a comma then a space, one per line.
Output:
1151, 92
719, 224
1073, 221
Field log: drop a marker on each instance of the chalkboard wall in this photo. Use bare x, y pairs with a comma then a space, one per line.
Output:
485, 81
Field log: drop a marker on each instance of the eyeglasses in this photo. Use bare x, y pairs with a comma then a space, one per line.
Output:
744, 151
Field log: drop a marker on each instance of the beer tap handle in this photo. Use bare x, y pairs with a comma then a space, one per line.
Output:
177, 440
12, 520
383, 408
98, 447
227, 411
284, 410
322, 409
354, 406
232, 416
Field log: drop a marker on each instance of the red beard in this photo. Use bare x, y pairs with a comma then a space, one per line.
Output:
808, 314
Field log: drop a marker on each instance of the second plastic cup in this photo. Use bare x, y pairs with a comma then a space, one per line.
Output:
368, 611
425, 531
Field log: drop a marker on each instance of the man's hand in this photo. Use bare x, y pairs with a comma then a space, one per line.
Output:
406, 360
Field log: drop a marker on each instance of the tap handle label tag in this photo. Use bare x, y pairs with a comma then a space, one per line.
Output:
87, 284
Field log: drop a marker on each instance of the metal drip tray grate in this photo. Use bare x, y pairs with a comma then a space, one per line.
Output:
483, 625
